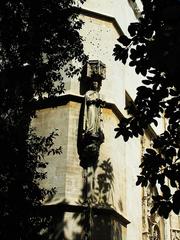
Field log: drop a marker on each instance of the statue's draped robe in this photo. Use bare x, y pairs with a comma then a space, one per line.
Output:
92, 113
92, 135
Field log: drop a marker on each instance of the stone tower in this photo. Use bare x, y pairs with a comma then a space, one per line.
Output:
99, 201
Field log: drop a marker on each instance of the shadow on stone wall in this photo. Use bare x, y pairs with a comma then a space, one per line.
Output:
94, 222
104, 184
92, 217
56, 228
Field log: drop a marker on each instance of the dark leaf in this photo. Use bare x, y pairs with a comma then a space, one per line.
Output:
151, 151
173, 183
153, 180
118, 50
133, 28
144, 183
161, 178
118, 134
140, 131
171, 152
124, 56
147, 82
157, 198
132, 63
126, 137
139, 180
154, 208
137, 69
166, 191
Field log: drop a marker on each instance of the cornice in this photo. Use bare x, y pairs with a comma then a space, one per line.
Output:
56, 209
65, 99
101, 16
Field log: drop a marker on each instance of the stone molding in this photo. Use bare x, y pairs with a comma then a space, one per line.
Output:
66, 98
55, 209
101, 16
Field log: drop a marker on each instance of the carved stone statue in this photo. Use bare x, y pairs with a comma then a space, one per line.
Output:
92, 134
93, 113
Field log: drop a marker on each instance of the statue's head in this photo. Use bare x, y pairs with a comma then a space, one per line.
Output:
95, 85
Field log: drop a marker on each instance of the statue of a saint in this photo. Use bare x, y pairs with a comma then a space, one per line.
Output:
93, 112
92, 135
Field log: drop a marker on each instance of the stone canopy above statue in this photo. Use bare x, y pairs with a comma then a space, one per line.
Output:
95, 70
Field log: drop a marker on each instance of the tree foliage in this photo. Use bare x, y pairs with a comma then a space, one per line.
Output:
153, 49
42, 34
37, 41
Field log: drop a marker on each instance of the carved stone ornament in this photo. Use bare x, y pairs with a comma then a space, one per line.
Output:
96, 70
175, 233
150, 221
